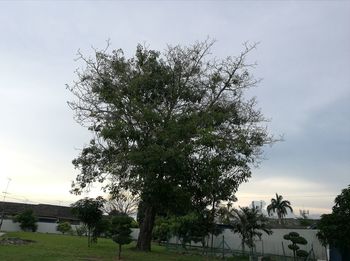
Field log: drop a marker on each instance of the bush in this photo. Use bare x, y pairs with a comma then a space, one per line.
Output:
162, 229
28, 220
64, 227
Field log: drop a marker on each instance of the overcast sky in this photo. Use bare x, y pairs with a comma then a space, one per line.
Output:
303, 58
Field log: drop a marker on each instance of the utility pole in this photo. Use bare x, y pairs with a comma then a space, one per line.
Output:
3, 202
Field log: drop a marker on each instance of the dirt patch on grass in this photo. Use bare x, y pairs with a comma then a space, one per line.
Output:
90, 258
15, 241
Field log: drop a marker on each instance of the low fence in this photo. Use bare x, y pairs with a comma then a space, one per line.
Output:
269, 244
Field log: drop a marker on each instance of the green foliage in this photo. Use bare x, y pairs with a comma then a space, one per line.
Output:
120, 231
88, 210
81, 230
334, 228
27, 220
174, 128
248, 222
101, 228
293, 247
162, 229
64, 227
279, 206
193, 227
134, 224
302, 253
296, 240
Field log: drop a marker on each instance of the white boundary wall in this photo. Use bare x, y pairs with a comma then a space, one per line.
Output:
269, 244
272, 244
9, 226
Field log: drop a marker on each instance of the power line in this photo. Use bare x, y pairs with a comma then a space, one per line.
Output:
25, 200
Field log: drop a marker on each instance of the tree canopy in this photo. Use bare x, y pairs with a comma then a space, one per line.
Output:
120, 231
27, 220
296, 240
334, 228
279, 206
172, 127
89, 211
122, 203
249, 223
64, 227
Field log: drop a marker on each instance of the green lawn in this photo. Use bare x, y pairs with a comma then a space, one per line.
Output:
69, 248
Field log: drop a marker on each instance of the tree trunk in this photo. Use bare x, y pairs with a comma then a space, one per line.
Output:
89, 237
120, 251
279, 218
212, 225
145, 235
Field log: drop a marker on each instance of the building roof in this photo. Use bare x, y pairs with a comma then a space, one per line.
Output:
40, 210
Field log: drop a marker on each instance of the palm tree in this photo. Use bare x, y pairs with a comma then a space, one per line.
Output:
279, 206
247, 222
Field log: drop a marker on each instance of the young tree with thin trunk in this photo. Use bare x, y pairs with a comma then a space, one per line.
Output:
247, 222
64, 227
173, 128
296, 240
89, 211
120, 231
27, 220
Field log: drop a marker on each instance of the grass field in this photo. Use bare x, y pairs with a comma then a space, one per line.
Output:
68, 248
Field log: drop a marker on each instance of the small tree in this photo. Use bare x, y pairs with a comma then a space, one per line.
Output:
88, 210
162, 229
296, 240
64, 227
28, 220
193, 227
101, 229
120, 230
247, 222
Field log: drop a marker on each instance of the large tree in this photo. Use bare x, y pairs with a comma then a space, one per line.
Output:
173, 128
279, 206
